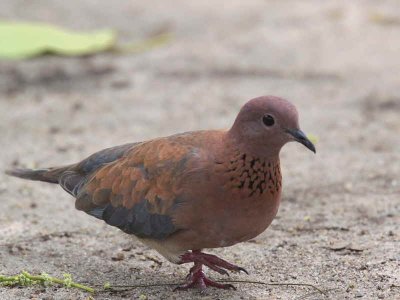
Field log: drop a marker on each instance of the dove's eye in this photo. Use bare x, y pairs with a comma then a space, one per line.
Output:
268, 120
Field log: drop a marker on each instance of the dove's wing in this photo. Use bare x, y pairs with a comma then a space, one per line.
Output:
139, 191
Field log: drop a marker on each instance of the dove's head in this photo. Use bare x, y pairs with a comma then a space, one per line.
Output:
265, 124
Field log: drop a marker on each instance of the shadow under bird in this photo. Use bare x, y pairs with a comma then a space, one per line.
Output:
186, 192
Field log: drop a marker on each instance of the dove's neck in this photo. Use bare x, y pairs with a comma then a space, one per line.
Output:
261, 150
250, 172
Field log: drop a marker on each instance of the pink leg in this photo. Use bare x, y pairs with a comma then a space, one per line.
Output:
213, 262
197, 278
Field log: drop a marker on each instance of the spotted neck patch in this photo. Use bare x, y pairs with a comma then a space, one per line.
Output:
252, 174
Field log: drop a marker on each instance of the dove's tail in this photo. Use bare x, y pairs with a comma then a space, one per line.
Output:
51, 175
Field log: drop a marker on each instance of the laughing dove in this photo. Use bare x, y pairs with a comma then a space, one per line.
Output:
186, 192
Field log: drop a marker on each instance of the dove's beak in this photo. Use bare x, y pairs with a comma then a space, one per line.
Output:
300, 136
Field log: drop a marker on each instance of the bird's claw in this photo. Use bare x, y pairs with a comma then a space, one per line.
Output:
218, 269
213, 262
240, 269
230, 286
198, 279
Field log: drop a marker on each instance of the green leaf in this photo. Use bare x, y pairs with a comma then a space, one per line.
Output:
25, 40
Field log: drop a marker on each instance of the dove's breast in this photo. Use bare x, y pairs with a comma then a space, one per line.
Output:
233, 202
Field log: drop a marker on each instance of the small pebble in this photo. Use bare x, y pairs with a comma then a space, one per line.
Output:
348, 186
119, 256
358, 295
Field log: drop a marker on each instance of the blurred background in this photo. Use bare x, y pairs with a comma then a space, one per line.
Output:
338, 61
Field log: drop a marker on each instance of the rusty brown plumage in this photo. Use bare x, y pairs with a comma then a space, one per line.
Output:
150, 171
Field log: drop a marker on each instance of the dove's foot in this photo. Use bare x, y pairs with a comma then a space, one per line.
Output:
197, 279
213, 262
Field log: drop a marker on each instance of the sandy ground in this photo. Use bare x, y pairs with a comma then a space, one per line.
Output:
339, 223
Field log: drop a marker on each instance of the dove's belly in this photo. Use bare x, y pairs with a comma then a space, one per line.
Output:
231, 222
242, 221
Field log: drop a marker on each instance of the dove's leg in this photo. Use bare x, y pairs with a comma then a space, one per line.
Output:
213, 262
197, 278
